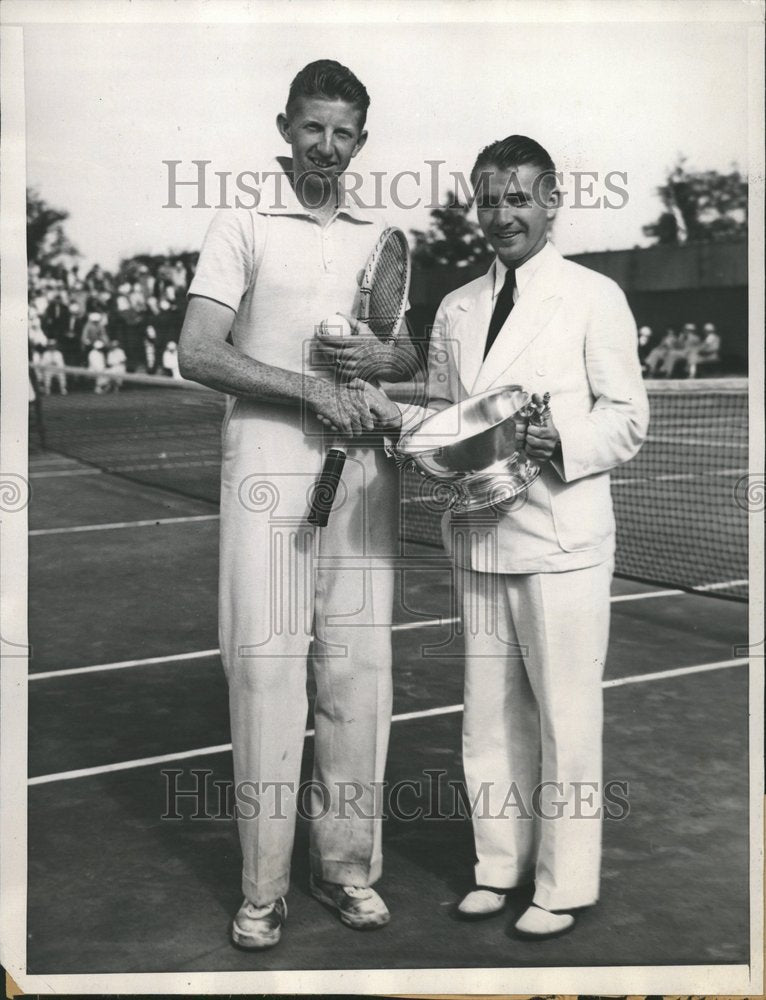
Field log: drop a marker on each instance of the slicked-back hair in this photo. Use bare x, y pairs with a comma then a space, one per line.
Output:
328, 78
512, 152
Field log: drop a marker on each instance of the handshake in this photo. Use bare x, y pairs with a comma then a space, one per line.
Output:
351, 406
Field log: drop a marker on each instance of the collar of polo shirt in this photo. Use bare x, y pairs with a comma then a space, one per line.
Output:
277, 196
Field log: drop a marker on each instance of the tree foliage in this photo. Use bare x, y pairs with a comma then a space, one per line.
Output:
700, 206
451, 240
46, 239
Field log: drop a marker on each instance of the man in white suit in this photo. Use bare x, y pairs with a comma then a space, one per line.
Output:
535, 579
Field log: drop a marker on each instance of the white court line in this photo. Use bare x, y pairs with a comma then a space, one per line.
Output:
65, 472
124, 664
661, 675
402, 627
127, 765
125, 524
423, 623
643, 596
49, 459
721, 586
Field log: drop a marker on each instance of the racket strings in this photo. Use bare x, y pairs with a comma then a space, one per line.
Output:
388, 289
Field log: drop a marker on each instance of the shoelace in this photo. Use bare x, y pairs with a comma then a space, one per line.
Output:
260, 911
358, 891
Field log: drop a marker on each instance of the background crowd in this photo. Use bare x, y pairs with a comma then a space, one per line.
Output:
131, 321
680, 355
127, 322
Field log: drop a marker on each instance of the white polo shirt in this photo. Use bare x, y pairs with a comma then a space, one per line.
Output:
281, 271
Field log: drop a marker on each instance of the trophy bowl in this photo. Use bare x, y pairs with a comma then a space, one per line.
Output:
472, 448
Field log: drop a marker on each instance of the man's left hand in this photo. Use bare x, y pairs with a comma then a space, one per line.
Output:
359, 356
542, 441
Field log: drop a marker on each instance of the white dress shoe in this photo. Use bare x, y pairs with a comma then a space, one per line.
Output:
536, 923
481, 903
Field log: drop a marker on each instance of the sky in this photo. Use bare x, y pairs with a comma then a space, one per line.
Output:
106, 104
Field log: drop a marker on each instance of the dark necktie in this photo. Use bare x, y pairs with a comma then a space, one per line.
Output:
502, 309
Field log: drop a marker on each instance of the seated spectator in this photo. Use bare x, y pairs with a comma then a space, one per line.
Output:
644, 344
52, 356
37, 339
146, 280
166, 324
685, 349
164, 278
97, 363
136, 298
180, 276
73, 277
658, 355
170, 360
96, 279
56, 319
122, 301
79, 296
116, 362
40, 302
71, 339
150, 350
708, 353
93, 330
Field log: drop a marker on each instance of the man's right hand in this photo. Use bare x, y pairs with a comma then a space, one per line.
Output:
343, 408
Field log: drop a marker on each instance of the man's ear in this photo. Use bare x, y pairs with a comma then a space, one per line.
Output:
361, 141
553, 202
283, 125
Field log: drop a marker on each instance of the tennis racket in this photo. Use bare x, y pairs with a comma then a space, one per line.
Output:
383, 293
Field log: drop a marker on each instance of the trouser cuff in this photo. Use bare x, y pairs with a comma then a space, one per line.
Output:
560, 899
346, 872
261, 892
502, 877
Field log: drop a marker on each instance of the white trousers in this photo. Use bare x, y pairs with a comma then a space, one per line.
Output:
280, 581
532, 731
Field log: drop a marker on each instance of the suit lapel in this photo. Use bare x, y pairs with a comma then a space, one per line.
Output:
474, 312
526, 321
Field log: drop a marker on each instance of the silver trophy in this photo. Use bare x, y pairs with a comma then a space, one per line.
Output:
472, 447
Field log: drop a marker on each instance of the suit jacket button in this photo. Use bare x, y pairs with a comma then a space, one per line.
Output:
540, 371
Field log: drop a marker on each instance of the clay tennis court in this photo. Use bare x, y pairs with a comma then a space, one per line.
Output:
126, 684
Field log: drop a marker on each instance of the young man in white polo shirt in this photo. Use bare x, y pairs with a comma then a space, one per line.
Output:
268, 276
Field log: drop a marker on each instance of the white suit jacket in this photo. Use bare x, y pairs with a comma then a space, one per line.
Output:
571, 334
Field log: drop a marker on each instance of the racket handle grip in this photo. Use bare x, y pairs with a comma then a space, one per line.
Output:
326, 487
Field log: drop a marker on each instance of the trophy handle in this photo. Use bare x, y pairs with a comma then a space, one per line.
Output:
539, 411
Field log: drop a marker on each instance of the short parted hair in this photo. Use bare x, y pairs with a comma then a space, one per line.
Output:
329, 79
513, 151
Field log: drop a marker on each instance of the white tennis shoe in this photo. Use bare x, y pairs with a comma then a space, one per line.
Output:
359, 907
259, 927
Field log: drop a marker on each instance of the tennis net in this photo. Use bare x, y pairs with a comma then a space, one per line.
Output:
680, 504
